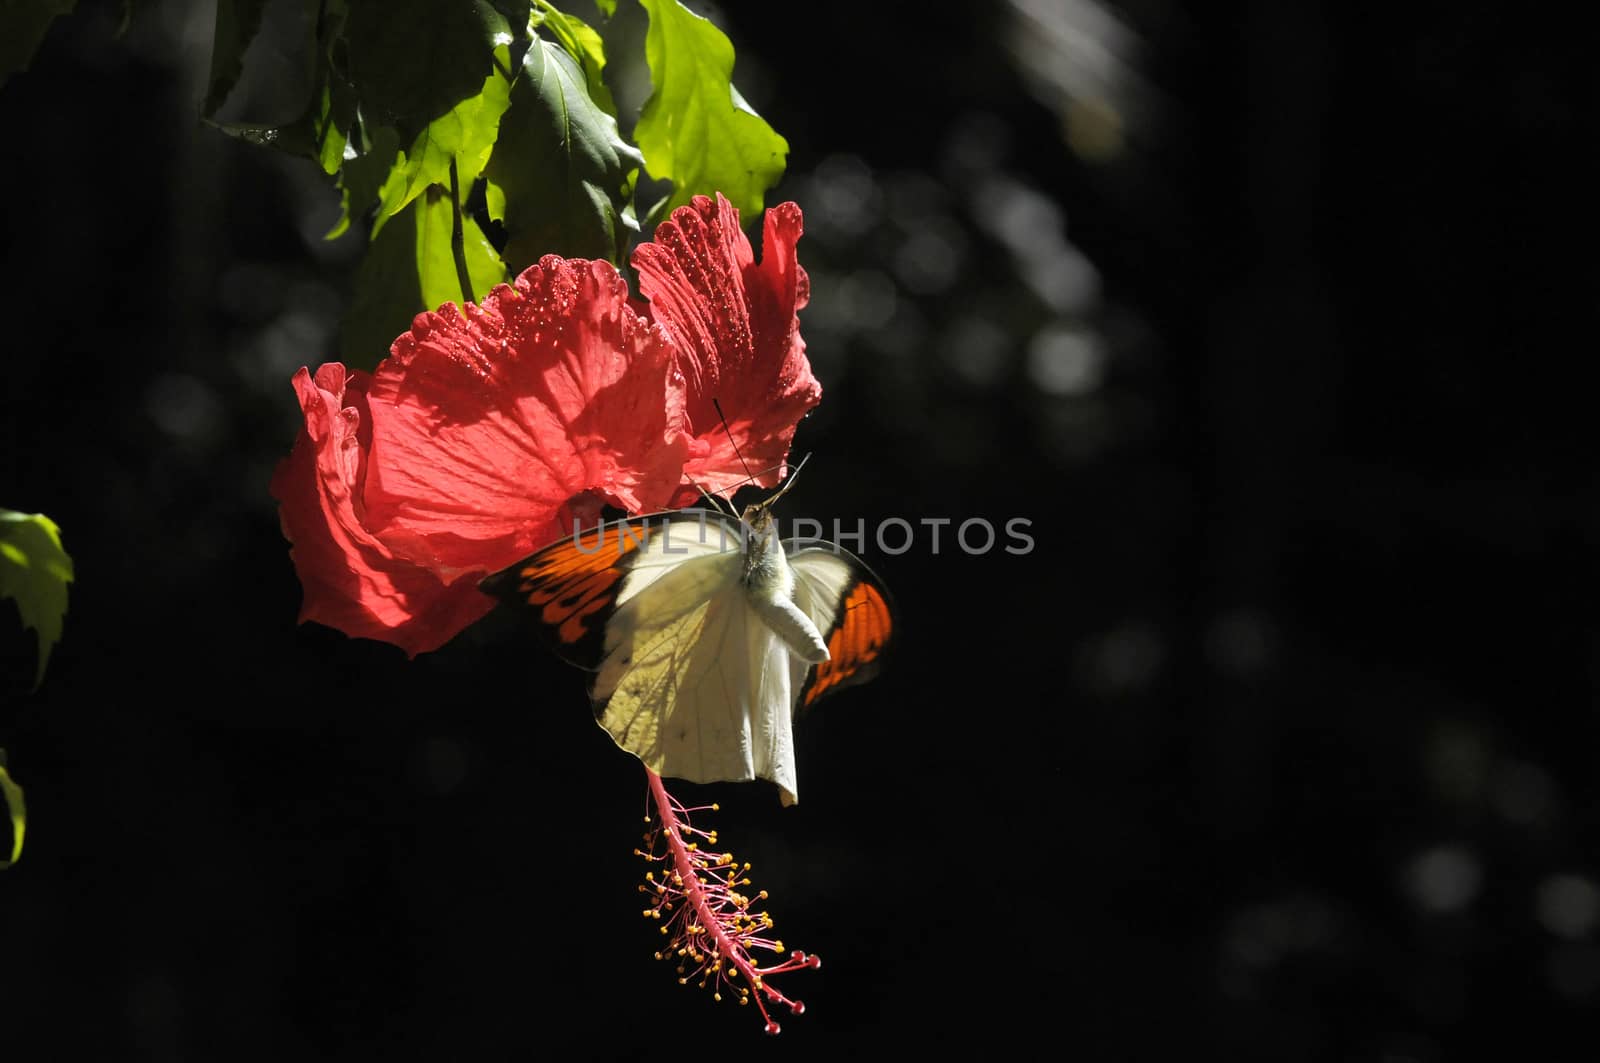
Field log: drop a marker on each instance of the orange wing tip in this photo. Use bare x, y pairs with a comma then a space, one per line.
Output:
570, 582
856, 642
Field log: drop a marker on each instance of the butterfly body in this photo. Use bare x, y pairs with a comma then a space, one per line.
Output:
769, 581
706, 637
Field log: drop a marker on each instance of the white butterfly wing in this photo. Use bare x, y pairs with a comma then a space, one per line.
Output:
692, 682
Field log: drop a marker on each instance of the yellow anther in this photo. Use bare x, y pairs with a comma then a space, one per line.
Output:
776, 946
715, 807
716, 996
649, 876
761, 896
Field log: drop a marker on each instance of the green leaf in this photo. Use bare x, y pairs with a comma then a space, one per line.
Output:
323, 129
238, 21
582, 43
330, 127
464, 134
608, 8
22, 29
695, 129
314, 135
420, 72
514, 12
364, 174
410, 267
330, 119
561, 174
411, 61
494, 198
35, 571
12, 793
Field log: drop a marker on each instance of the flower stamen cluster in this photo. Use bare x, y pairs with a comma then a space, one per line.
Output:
699, 896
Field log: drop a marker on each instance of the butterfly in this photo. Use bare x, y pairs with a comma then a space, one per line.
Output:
705, 636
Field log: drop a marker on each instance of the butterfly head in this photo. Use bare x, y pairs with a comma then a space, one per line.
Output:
757, 516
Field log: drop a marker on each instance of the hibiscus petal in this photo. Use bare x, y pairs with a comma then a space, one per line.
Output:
352, 581
486, 422
738, 341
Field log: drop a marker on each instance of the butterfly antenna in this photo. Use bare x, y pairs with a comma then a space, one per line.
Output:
788, 483
752, 479
717, 501
729, 431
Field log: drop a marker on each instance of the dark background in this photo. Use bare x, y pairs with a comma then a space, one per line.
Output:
1280, 745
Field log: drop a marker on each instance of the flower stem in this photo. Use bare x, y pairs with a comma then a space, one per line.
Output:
458, 239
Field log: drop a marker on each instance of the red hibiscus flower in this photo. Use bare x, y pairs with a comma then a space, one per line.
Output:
551, 392
735, 332
353, 581
489, 431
